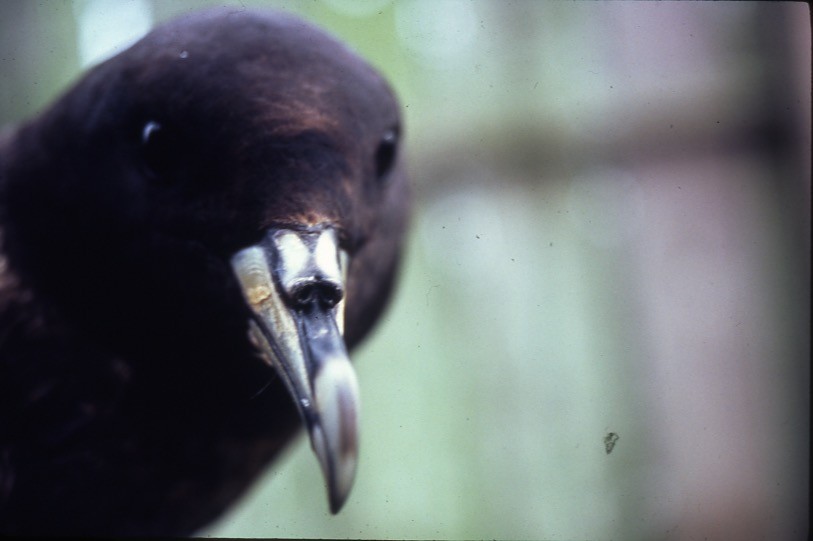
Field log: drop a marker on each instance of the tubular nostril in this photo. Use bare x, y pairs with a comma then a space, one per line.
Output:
327, 294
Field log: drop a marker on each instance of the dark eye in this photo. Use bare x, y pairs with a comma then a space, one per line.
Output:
385, 153
159, 151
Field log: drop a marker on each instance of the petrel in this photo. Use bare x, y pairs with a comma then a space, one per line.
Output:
191, 239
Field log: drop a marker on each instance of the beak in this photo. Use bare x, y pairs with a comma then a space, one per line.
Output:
294, 282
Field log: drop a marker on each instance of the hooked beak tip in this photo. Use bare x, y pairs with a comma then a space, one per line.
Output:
334, 436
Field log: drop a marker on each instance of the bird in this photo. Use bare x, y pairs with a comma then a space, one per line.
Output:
192, 238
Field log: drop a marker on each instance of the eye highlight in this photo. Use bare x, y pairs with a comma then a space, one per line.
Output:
150, 128
385, 153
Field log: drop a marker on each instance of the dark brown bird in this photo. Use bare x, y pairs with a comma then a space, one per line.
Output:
225, 195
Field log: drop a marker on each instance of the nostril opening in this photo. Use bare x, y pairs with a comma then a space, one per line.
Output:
327, 294
303, 295
330, 295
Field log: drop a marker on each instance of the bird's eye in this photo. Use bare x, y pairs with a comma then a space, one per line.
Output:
158, 150
385, 153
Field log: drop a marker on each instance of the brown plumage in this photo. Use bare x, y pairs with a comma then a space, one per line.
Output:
132, 400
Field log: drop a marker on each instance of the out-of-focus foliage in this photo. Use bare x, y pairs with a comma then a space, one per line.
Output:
611, 235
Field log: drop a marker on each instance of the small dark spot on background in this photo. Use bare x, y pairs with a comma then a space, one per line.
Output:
609, 442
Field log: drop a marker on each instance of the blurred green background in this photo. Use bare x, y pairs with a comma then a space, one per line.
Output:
611, 233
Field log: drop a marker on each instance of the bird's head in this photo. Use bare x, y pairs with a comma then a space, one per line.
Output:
233, 163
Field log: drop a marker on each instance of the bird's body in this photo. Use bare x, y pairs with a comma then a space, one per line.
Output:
132, 400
